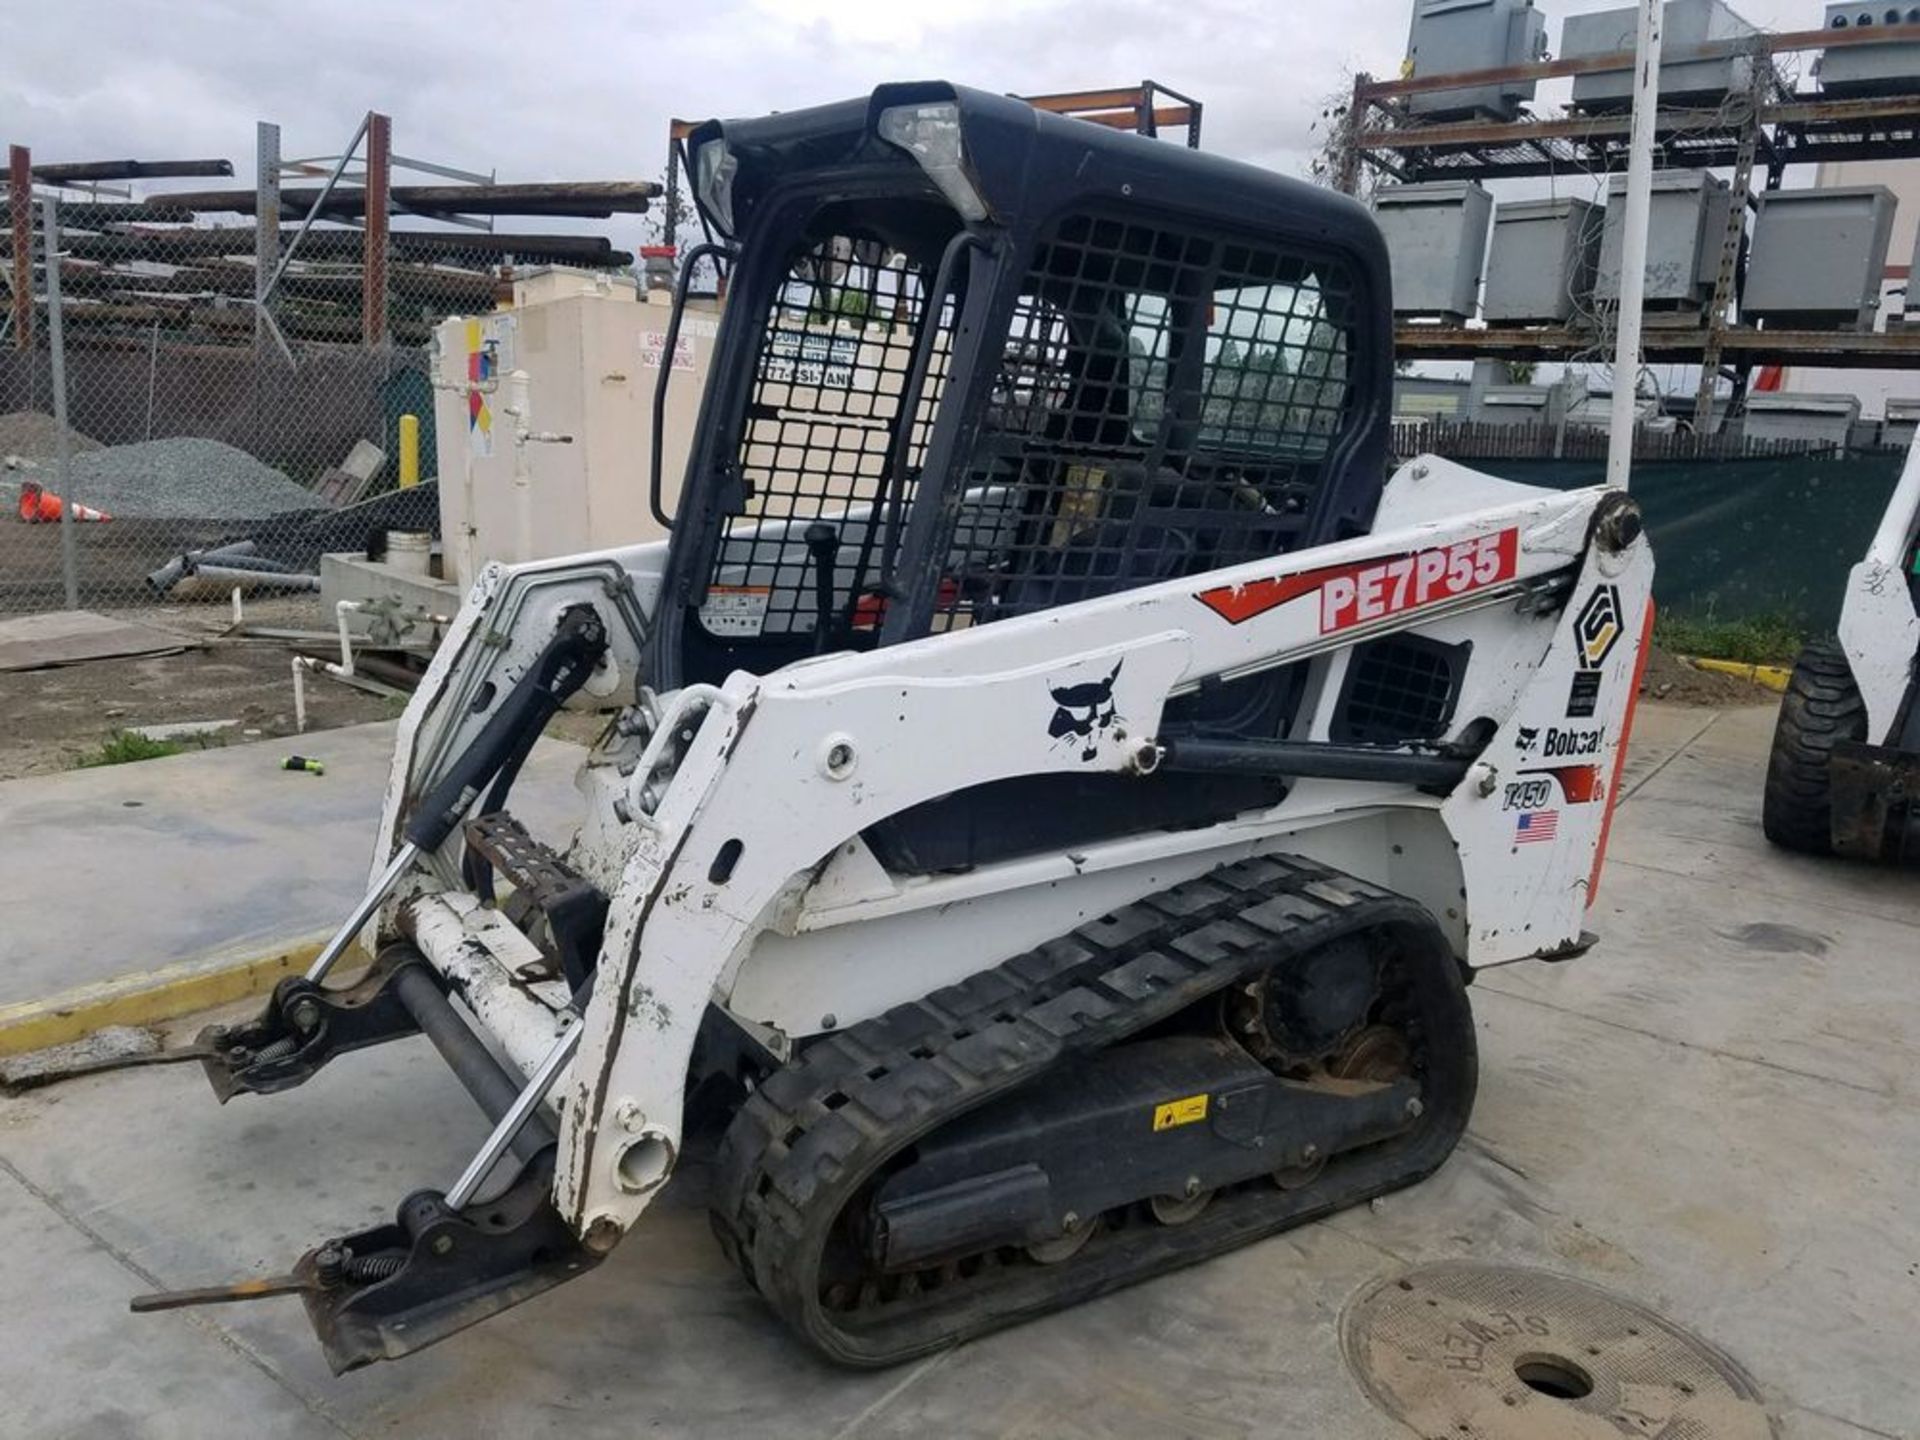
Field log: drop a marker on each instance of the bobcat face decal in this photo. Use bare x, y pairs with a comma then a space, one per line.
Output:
1083, 712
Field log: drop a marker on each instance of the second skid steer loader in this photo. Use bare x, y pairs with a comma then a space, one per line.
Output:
1844, 774
1057, 787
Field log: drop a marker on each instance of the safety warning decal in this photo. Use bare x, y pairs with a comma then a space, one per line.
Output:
735, 610
653, 349
1179, 1112
1372, 590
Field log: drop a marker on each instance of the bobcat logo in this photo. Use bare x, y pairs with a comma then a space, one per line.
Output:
1527, 737
1084, 712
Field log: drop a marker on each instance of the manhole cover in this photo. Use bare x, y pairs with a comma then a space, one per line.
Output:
1503, 1353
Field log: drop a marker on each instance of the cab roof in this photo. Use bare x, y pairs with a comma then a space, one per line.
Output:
1026, 163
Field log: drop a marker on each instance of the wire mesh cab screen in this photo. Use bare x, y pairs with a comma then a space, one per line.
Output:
819, 439
1164, 406
1162, 403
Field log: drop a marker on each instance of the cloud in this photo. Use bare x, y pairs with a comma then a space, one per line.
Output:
581, 89
576, 89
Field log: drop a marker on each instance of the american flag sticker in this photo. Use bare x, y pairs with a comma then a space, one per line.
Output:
1536, 825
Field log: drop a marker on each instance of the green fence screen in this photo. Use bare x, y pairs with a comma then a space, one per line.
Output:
1742, 539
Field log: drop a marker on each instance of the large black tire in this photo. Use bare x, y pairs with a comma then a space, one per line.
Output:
1822, 707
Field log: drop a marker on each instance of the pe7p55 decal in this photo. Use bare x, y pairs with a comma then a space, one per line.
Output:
1370, 590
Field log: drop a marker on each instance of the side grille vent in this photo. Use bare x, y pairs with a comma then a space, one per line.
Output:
1400, 688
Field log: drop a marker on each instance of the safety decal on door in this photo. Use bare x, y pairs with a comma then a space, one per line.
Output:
1375, 589
735, 610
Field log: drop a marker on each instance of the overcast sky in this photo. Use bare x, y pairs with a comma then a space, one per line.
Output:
573, 89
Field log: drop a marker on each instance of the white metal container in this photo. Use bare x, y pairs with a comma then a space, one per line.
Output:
1902, 424
1436, 237
410, 552
1820, 419
1687, 23
1540, 268
1819, 257
1452, 36
1870, 69
591, 350
1686, 228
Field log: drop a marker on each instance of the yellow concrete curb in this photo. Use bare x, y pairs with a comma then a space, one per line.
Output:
1773, 677
163, 994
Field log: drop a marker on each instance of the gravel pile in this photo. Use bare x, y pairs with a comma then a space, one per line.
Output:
31, 439
184, 479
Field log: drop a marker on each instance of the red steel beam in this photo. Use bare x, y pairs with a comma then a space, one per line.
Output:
1616, 124
1072, 100
1130, 119
1515, 132
373, 268
20, 206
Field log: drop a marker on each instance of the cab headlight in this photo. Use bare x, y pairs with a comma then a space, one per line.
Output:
714, 167
931, 134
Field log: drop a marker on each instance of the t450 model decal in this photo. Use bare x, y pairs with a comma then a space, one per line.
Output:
1374, 589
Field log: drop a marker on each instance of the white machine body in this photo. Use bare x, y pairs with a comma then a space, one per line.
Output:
725, 822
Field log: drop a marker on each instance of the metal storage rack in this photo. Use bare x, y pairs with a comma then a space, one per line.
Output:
1769, 128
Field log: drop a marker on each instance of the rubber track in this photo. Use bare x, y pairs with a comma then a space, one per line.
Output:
1822, 706
810, 1137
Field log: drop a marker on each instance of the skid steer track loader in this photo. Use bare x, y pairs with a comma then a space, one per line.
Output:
1844, 774
1057, 786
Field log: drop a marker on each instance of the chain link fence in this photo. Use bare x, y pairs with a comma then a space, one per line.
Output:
212, 440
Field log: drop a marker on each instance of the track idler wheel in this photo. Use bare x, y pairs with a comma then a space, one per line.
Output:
1180, 1209
1302, 1174
1070, 1242
1378, 1052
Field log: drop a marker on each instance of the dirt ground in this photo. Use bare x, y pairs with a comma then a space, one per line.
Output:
52, 717
1668, 678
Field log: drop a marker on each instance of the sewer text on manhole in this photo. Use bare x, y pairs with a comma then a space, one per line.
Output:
1494, 1352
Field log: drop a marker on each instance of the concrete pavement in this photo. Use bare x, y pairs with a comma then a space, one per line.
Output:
131, 867
1714, 1114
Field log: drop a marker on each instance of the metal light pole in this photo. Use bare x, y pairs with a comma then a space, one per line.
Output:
1633, 250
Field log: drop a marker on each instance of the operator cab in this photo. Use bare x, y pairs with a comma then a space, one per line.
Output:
978, 361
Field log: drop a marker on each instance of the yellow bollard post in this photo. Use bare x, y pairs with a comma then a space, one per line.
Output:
409, 451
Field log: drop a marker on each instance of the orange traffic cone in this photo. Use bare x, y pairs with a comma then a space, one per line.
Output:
39, 506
